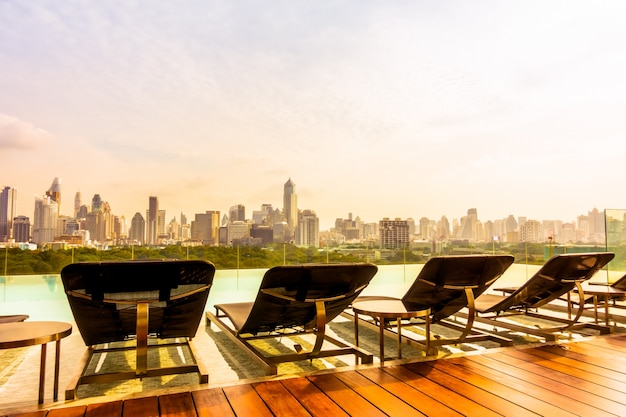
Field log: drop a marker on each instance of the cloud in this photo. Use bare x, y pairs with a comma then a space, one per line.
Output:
19, 134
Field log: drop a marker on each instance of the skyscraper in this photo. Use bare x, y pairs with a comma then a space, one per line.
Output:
45, 220
290, 205
77, 203
8, 204
152, 221
308, 231
54, 192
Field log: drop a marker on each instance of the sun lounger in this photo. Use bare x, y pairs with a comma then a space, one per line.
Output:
295, 300
447, 284
558, 276
120, 301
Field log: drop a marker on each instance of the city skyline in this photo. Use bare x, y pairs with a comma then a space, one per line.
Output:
380, 109
154, 203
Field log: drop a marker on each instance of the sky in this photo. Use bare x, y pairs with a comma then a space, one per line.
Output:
380, 109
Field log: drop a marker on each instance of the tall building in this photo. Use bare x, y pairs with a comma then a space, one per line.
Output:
290, 205
237, 213
137, 231
308, 229
96, 203
77, 203
8, 207
152, 221
45, 220
54, 192
21, 229
205, 227
393, 233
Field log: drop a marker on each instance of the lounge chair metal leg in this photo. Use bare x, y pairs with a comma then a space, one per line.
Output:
142, 338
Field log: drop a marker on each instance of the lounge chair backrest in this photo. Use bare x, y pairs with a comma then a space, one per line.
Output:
556, 277
288, 294
103, 297
620, 284
441, 283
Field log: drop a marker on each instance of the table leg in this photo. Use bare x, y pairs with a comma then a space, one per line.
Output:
57, 359
42, 372
381, 338
399, 338
606, 310
356, 329
595, 307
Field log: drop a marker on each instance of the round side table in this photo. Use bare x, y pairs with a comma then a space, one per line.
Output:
382, 309
30, 333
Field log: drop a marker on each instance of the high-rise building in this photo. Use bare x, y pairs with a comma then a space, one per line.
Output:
205, 227
393, 233
8, 207
137, 231
237, 213
308, 229
45, 220
96, 203
54, 192
77, 203
290, 205
21, 229
152, 220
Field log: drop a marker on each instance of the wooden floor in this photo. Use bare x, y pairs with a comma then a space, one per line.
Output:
585, 378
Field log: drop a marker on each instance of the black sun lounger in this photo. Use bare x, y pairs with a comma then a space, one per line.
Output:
447, 284
294, 300
558, 276
120, 300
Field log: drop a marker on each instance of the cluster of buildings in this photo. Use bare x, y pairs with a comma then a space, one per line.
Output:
95, 225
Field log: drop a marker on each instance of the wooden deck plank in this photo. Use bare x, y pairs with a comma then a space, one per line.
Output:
617, 358
382, 399
346, 398
568, 384
587, 356
501, 389
279, 400
40, 413
584, 364
177, 405
602, 386
315, 401
552, 403
409, 394
477, 394
111, 409
212, 402
440, 393
141, 407
580, 400
245, 401
78, 411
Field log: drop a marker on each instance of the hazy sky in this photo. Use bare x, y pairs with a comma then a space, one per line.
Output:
376, 108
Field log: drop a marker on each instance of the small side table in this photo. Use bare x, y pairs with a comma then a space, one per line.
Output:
388, 309
30, 333
606, 292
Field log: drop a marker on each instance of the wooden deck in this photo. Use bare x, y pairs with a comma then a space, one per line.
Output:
585, 378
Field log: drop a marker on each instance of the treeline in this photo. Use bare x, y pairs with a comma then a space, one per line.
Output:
24, 262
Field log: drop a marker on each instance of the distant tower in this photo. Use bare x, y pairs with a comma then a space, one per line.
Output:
96, 203
308, 231
137, 232
152, 221
45, 220
237, 213
8, 204
290, 205
77, 203
21, 229
54, 192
